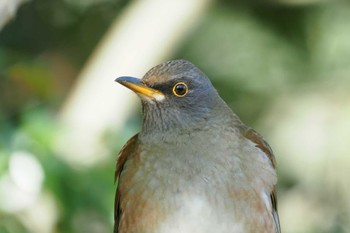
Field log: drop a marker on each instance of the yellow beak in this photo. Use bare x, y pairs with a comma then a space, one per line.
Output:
139, 88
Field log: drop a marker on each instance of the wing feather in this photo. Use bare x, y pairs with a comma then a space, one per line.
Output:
128, 149
255, 137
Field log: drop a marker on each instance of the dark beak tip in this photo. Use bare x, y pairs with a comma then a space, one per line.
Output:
120, 79
127, 79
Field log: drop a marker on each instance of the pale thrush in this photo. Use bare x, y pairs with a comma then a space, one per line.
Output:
194, 167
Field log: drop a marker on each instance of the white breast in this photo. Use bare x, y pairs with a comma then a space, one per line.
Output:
198, 216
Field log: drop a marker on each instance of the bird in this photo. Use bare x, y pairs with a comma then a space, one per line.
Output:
194, 167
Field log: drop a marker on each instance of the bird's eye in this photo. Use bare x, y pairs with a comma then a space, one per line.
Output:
180, 89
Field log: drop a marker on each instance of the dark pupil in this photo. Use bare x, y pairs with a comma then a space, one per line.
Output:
180, 89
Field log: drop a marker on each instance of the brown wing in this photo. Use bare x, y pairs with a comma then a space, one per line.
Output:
274, 211
255, 137
127, 150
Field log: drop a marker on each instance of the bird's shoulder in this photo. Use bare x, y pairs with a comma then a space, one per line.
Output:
128, 150
260, 143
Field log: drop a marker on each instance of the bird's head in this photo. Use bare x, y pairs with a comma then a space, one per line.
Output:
175, 94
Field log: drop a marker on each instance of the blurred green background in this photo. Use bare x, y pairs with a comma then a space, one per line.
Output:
283, 66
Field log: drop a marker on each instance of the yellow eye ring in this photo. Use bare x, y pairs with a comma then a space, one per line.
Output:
180, 89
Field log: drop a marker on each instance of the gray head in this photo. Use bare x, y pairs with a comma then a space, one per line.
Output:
177, 95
